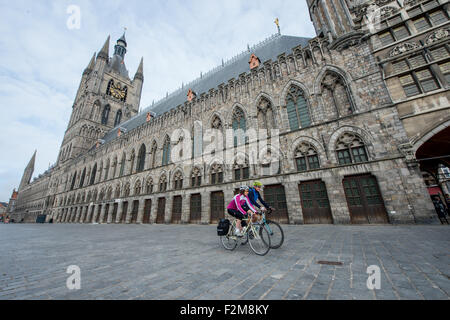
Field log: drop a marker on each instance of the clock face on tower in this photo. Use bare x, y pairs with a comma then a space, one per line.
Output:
117, 91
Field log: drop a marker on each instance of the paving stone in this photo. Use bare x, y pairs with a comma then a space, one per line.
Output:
151, 262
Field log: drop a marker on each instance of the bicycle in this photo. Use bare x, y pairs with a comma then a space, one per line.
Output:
275, 231
257, 237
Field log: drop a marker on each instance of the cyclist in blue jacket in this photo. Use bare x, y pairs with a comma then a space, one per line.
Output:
255, 196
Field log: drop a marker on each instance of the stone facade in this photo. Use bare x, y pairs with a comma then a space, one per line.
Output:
330, 103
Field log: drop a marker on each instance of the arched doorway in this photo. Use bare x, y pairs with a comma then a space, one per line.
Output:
433, 155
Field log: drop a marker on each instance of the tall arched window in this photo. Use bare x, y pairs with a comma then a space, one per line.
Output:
166, 152
266, 115
297, 109
133, 156
241, 168
336, 97
118, 118
137, 188
239, 127
149, 186
306, 157
105, 114
141, 159
73, 181
153, 155
196, 177
107, 170
93, 174
122, 164
351, 149
83, 175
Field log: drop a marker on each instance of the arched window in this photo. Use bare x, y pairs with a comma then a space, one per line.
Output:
73, 181
117, 192
83, 176
216, 174
153, 155
93, 174
141, 159
196, 177
105, 114
126, 191
109, 193
149, 186
163, 184
118, 118
107, 170
137, 188
166, 152
306, 157
266, 115
122, 164
178, 181
108, 89
239, 127
114, 167
336, 97
351, 149
297, 109
241, 169
133, 156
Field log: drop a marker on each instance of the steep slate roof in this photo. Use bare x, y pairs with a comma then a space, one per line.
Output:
269, 49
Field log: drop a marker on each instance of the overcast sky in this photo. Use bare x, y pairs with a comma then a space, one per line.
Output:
42, 60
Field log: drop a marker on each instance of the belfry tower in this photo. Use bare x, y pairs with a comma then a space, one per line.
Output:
106, 97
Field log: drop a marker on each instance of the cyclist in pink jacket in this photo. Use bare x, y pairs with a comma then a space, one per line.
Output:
240, 207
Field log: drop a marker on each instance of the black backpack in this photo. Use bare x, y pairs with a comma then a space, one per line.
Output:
223, 227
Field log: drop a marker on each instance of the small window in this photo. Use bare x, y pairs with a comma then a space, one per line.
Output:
427, 80
301, 164
386, 38
409, 86
401, 33
417, 61
439, 53
445, 69
438, 17
421, 24
344, 157
395, 20
414, 12
430, 5
400, 66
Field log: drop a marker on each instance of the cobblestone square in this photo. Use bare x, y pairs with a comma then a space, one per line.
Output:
188, 262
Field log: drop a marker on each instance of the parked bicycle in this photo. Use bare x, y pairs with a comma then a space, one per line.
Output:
255, 233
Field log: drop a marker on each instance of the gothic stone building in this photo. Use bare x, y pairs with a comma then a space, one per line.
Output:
336, 127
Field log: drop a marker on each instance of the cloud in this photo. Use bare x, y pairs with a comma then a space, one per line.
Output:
42, 60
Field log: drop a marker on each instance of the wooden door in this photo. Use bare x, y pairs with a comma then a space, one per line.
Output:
134, 213
275, 196
147, 211
114, 214
123, 219
196, 209
217, 206
177, 209
161, 211
364, 200
315, 204
105, 217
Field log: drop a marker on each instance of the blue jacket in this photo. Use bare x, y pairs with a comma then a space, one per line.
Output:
254, 196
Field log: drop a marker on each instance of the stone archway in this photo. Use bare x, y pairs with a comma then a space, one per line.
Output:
433, 156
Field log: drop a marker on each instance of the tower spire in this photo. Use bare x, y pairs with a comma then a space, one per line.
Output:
28, 172
140, 71
91, 65
104, 53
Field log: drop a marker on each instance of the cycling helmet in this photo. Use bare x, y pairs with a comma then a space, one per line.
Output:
244, 188
258, 184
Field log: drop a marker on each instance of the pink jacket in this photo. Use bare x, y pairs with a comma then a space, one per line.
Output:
237, 203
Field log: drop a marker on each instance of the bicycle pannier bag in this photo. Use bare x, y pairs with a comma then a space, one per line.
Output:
223, 227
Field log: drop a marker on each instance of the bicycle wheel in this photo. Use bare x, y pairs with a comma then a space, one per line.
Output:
276, 234
229, 242
259, 242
